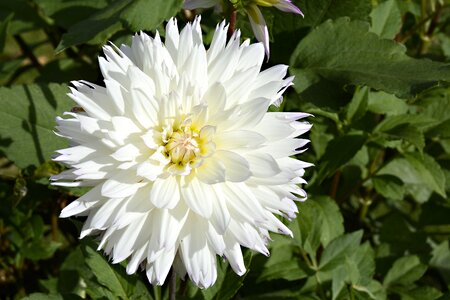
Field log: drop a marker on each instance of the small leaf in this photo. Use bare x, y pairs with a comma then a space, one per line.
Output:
319, 223
358, 106
4, 30
386, 19
335, 253
384, 103
103, 272
405, 271
421, 173
289, 270
389, 186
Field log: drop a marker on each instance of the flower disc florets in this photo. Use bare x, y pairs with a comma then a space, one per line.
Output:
184, 160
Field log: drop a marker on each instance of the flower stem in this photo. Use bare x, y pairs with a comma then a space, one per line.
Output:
232, 26
157, 292
173, 285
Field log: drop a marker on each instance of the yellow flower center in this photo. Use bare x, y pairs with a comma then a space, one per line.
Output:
183, 146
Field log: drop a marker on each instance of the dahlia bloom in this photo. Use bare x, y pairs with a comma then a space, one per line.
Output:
183, 158
255, 16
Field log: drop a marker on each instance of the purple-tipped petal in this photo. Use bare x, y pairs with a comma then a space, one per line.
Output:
287, 6
259, 26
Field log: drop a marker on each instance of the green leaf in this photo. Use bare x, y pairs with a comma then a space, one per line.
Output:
104, 273
67, 13
419, 293
405, 271
320, 222
338, 152
345, 51
429, 171
287, 269
358, 106
4, 31
340, 248
441, 259
420, 172
441, 130
41, 296
402, 127
389, 186
40, 249
384, 103
386, 19
134, 15
28, 113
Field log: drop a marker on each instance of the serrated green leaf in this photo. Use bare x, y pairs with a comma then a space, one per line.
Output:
348, 146
104, 273
392, 122
386, 19
405, 271
429, 170
319, 223
345, 51
28, 113
132, 14
335, 253
289, 270
384, 103
441, 259
419, 172
400, 127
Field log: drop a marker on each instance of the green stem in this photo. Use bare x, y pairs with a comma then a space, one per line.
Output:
173, 285
157, 292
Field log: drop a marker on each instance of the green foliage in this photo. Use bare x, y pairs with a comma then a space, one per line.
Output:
376, 224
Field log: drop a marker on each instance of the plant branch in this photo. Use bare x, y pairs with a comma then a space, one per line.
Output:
28, 52
232, 25
173, 285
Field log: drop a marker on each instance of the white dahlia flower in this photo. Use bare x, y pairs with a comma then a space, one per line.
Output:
184, 159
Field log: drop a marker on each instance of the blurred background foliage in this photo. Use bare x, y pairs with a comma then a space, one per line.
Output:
374, 73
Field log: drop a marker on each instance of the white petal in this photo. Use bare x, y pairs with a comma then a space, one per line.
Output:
165, 192
211, 171
237, 168
122, 185
158, 270
262, 164
197, 194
